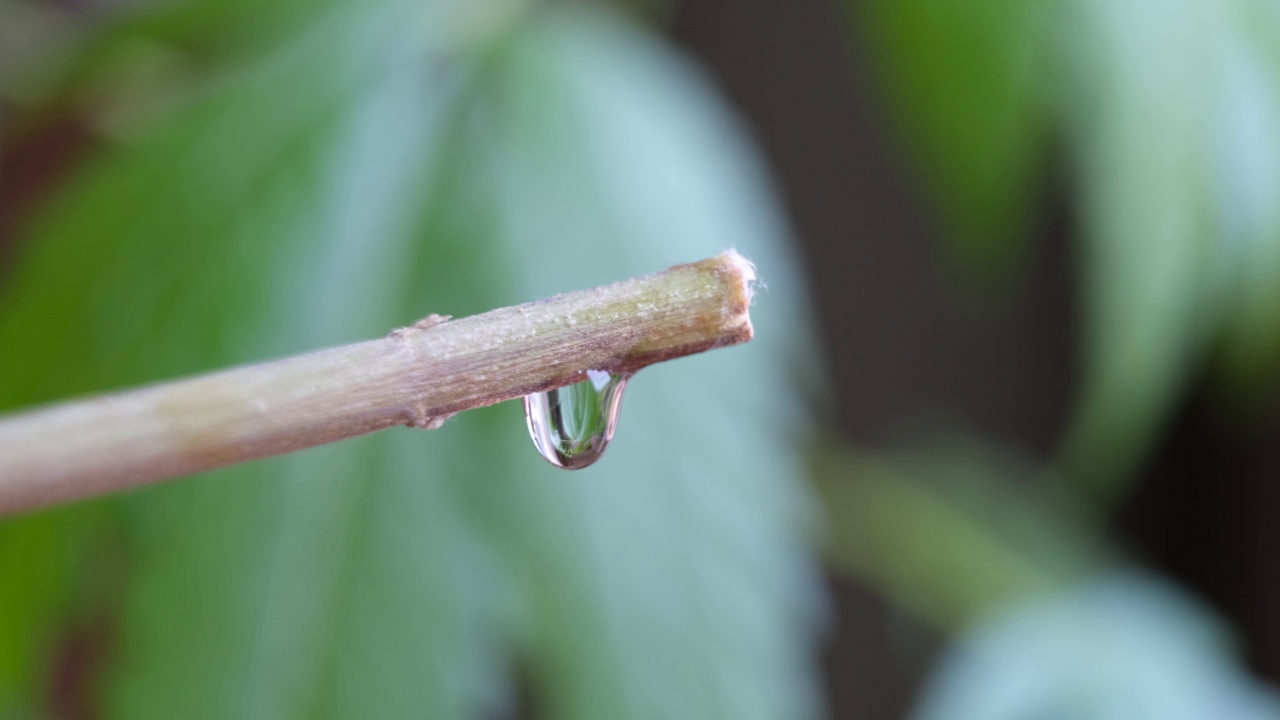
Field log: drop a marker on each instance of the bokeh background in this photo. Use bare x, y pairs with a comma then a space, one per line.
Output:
1004, 446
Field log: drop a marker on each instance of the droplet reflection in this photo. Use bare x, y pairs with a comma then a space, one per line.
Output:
571, 426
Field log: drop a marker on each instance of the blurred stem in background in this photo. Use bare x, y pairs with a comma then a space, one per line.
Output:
953, 531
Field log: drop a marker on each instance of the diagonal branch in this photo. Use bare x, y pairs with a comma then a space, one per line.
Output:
415, 376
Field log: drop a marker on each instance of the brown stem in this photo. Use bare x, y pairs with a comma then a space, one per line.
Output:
415, 376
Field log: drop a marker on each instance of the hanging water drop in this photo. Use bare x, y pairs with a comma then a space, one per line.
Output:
571, 426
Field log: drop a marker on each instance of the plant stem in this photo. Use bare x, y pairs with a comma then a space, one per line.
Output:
416, 376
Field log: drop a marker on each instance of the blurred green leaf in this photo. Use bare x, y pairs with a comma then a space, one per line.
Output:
52, 569
672, 534
1247, 178
963, 80
389, 161
1121, 646
1140, 108
1169, 113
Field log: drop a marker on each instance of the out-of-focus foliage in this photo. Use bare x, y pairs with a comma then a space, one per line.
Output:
327, 171
951, 529
1050, 621
1168, 116
1164, 118
1123, 646
962, 82
1141, 114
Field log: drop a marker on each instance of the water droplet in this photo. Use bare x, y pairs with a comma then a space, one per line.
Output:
571, 426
